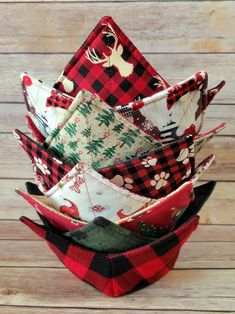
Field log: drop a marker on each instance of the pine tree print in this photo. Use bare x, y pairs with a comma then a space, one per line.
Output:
94, 146
128, 138
86, 132
85, 109
74, 158
95, 165
118, 128
55, 134
58, 150
71, 128
106, 118
109, 152
73, 145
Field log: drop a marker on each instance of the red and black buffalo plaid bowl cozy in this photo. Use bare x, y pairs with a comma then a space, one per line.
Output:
109, 65
118, 274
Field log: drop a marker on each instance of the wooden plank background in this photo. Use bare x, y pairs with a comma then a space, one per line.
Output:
178, 38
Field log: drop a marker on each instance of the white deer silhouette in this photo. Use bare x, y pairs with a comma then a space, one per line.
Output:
125, 68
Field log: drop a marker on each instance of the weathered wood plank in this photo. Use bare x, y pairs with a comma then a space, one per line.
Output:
219, 209
75, 310
15, 164
14, 229
181, 289
198, 255
12, 115
203, 26
174, 67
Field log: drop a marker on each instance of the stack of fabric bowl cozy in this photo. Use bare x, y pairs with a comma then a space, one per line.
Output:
113, 150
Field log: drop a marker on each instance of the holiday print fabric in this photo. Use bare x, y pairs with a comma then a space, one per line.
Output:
160, 217
59, 219
84, 194
46, 106
156, 174
163, 213
94, 133
176, 111
109, 65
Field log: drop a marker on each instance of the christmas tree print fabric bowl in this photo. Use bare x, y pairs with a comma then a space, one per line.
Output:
93, 132
183, 113
113, 157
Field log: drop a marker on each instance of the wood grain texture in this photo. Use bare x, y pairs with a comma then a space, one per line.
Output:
76, 310
180, 289
179, 38
198, 255
65, 27
173, 67
205, 233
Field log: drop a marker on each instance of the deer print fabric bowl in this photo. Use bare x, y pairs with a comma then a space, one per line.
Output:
48, 107
113, 155
109, 65
104, 76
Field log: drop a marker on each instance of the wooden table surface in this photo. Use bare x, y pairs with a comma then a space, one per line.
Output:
178, 38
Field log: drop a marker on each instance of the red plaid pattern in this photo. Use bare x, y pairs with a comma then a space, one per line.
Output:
138, 175
58, 100
168, 132
49, 170
93, 68
118, 274
196, 83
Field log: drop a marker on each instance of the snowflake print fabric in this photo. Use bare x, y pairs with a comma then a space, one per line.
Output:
94, 133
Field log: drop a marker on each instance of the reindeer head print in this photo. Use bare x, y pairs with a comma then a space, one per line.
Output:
115, 58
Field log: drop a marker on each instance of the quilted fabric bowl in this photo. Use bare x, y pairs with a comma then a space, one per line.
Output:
114, 162
118, 274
